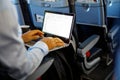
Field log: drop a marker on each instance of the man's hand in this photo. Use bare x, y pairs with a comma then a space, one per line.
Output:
53, 42
32, 35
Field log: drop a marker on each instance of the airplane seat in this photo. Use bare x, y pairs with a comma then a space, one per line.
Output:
37, 8
93, 13
113, 12
90, 20
89, 56
85, 49
113, 38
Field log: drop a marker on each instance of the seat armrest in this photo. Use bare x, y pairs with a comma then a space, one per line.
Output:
113, 31
87, 44
41, 69
92, 63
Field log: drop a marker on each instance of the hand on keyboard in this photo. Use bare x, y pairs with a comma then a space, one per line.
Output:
52, 42
59, 42
32, 35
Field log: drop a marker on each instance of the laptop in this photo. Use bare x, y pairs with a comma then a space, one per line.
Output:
57, 24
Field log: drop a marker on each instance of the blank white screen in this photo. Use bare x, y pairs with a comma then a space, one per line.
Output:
57, 24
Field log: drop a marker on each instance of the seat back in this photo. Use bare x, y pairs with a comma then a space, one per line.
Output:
37, 8
88, 18
90, 12
113, 8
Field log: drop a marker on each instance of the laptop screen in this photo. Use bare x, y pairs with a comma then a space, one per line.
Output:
59, 24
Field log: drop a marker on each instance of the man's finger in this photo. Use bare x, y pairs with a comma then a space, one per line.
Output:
37, 32
35, 37
58, 40
60, 44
